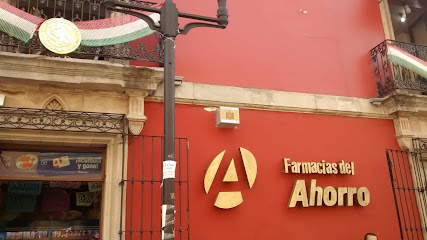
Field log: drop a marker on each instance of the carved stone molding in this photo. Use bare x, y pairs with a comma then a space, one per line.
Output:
136, 126
402, 126
409, 113
403, 103
54, 102
405, 143
135, 114
54, 105
404, 133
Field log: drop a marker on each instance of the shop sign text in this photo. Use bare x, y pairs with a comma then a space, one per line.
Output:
329, 196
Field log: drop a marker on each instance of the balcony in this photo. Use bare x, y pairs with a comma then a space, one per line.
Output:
146, 51
390, 76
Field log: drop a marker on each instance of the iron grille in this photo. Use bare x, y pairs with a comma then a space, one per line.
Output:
142, 185
420, 145
59, 120
148, 48
390, 76
409, 181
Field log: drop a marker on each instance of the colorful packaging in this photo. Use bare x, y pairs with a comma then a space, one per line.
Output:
88, 233
95, 234
19, 235
56, 234
64, 234
25, 235
10, 236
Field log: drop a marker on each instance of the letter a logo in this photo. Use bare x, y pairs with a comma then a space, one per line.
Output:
227, 200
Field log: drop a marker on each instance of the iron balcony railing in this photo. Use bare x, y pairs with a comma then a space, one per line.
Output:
390, 76
147, 49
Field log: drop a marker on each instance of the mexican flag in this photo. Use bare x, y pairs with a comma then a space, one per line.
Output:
406, 60
95, 33
110, 31
18, 23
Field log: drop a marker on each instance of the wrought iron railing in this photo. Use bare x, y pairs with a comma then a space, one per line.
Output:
59, 120
147, 49
420, 145
390, 76
408, 177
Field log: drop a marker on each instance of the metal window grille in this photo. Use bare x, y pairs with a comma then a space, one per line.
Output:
59, 120
141, 189
409, 181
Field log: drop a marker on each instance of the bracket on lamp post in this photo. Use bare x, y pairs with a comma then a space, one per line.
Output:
169, 11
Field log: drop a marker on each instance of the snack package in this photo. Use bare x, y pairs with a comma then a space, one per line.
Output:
27, 161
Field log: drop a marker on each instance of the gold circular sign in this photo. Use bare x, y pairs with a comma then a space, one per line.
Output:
60, 35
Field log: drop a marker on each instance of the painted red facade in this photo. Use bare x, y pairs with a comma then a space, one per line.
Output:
275, 45
272, 136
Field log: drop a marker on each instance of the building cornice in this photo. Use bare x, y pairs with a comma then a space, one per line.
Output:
272, 100
100, 77
87, 74
400, 103
409, 113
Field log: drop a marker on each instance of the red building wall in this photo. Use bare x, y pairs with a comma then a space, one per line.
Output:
272, 136
274, 45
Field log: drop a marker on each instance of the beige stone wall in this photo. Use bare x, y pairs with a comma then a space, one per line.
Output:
35, 97
386, 19
87, 102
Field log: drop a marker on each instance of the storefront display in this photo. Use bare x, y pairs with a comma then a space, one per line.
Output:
39, 207
51, 164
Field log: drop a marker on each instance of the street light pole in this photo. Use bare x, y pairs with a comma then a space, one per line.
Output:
169, 29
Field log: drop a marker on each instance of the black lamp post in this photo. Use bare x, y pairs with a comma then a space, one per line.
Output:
169, 29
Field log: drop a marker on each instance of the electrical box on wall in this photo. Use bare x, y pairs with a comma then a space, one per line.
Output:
227, 117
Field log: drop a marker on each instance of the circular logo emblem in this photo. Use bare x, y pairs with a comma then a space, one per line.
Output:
60, 35
227, 200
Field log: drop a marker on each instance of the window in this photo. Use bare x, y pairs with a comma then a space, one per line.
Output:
409, 20
50, 194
